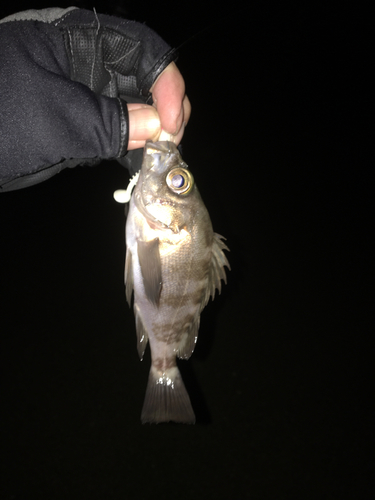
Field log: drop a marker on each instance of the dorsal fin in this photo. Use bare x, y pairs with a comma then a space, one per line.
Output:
216, 272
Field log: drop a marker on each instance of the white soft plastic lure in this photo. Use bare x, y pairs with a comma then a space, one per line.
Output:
124, 195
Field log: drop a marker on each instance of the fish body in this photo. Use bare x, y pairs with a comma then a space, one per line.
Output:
174, 263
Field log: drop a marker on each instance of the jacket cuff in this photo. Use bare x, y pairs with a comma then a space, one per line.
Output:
124, 124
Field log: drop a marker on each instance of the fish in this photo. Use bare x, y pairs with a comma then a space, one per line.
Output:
174, 263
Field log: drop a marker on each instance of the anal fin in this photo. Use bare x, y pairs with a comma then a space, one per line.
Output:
188, 342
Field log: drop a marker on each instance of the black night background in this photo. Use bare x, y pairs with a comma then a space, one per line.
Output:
281, 379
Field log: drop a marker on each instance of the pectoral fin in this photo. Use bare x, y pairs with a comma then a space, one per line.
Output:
149, 260
129, 282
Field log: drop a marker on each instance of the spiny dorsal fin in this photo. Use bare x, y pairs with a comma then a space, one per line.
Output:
216, 272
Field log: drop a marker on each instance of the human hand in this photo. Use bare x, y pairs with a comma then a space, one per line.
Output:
89, 77
169, 115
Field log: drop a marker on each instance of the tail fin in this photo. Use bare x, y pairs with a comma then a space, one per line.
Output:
166, 399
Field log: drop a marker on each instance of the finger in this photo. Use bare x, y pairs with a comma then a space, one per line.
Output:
168, 93
165, 136
144, 124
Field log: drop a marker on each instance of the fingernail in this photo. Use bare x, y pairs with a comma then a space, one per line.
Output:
165, 136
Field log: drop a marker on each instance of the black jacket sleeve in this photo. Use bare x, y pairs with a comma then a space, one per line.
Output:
65, 76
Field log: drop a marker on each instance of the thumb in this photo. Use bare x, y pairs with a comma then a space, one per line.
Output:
144, 124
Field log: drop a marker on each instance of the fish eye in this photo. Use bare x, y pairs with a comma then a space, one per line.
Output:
177, 181
180, 180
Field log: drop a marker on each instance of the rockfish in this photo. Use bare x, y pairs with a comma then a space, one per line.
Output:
174, 263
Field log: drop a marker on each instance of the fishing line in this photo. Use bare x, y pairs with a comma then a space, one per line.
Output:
213, 24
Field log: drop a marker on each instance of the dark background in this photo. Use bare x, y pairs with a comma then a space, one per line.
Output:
282, 376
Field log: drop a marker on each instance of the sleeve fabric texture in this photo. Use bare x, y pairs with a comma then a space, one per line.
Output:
66, 76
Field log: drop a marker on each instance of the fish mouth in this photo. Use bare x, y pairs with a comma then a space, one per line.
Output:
153, 221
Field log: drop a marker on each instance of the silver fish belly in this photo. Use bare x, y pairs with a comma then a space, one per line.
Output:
174, 263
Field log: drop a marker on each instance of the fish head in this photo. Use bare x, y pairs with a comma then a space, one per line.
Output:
165, 187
